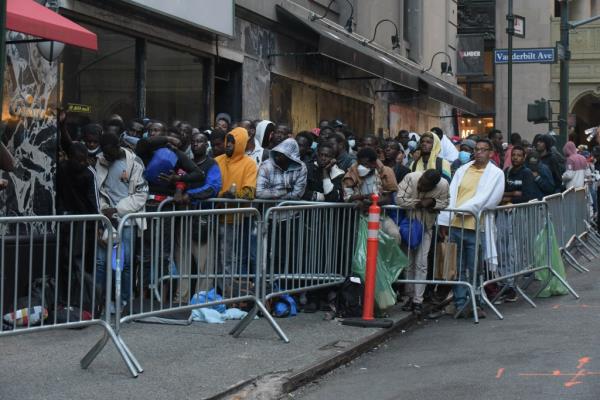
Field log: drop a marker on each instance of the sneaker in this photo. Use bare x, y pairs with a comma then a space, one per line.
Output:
468, 313
408, 306
435, 314
417, 309
510, 296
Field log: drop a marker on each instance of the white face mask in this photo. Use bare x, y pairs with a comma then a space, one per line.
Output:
363, 171
351, 143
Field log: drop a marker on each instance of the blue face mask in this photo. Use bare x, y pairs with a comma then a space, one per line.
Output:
145, 135
464, 157
313, 146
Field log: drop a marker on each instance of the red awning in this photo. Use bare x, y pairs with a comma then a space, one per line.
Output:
27, 16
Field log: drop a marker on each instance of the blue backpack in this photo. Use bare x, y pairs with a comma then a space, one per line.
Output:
163, 161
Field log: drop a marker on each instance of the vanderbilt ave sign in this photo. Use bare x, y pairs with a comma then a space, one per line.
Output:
543, 55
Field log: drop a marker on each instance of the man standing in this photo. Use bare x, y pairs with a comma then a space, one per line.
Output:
283, 175
495, 136
324, 182
519, 188
123, 190
344, 159
238, 173
205, 188
425, 193
476, 186
520, 182
543, 145
430, 147
253, 149
369, 176
392, 150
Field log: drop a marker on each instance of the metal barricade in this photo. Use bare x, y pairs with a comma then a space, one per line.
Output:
586, 236
574, 212
56, 273
521, 246
555, 208
439, 255
305, 247
196, 255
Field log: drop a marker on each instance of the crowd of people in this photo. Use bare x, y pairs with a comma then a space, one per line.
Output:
123, 167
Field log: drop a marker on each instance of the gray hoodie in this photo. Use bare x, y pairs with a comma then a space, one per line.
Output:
275, 183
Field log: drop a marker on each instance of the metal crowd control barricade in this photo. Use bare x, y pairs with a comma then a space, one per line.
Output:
305, 247
441, 260
518, 233
587, 237
56, 273
213, 245
574, 213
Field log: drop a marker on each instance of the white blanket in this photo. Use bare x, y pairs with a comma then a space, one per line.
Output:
489, 194
449, 152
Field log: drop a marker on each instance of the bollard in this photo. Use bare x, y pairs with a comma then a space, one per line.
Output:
371, 268
368, 319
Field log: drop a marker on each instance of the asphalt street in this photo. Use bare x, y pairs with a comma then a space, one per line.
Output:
549, 352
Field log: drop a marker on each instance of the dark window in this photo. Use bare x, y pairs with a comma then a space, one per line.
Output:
104, 80
174, 85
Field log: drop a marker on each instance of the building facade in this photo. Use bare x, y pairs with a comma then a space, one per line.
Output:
281, 61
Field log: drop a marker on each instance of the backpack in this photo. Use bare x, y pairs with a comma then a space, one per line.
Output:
350, 298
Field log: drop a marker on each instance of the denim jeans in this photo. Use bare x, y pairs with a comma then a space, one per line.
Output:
128, 250
465, 249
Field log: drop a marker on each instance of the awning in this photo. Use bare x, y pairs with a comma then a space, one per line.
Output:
447, 93
31, 18
338, 46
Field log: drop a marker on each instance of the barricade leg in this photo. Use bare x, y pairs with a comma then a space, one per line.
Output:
590, 257
125, 354
243, 324
572, 261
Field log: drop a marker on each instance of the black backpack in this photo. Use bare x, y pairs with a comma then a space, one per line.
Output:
349, 298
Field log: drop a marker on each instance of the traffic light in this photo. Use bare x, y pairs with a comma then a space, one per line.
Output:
539, 111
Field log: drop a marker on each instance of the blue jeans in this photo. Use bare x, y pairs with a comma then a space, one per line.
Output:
128, 250
465, 251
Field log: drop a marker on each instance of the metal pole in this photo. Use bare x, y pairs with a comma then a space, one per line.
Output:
510, 30
564, 72
2, 52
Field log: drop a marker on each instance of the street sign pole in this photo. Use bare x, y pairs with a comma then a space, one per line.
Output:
564, 73
2, 53
510, 30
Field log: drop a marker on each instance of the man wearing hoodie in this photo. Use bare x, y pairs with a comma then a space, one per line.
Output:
543, 145
238, 174
238, 171
429, 158
254, 148
283, 175
123, 190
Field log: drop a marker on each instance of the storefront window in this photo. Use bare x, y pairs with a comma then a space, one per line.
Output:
103, 80
174, 83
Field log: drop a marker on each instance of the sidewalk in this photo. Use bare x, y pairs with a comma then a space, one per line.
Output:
199, 361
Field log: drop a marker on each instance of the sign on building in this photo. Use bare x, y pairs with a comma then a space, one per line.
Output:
214, 15
543, 55
469, 55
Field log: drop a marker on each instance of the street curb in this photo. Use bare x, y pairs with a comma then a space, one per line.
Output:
327, 364
315, 370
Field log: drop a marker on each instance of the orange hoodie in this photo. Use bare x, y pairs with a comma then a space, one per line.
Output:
239, 168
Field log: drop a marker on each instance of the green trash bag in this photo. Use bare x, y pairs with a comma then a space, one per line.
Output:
390, 262
555, 287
